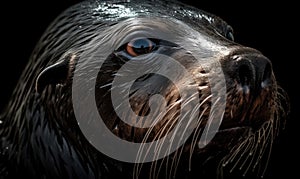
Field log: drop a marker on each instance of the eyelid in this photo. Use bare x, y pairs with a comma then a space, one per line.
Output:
121, 50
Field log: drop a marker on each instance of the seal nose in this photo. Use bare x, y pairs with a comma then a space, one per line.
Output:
254, 71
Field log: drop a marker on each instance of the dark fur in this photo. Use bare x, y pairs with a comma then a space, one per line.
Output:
40, 137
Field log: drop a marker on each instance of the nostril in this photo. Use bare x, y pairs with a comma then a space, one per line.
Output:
254, 72
250, 72
266, 79
245, 75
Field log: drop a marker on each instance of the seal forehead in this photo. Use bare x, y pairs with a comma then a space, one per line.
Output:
197, 42
111, 12
116, 10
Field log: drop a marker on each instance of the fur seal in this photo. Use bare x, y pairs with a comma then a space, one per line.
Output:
40, 136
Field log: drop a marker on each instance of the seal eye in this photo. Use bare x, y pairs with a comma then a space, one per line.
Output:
229, 33
138, 47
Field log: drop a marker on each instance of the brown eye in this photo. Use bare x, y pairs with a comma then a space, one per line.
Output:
139, 47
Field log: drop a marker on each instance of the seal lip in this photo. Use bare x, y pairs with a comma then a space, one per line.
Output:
234, 129
230, 129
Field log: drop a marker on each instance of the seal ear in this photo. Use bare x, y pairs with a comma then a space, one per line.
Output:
57, 73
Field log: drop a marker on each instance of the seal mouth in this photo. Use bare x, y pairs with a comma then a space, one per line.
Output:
222, 131
231, 134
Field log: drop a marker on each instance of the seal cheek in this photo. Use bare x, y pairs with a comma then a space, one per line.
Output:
57, 73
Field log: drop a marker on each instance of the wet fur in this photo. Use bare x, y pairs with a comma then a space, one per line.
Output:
41, 139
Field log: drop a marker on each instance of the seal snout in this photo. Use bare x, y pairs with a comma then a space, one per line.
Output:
253, 72
250, 81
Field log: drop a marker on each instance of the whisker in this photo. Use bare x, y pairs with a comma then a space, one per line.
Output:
159, 134
196, 135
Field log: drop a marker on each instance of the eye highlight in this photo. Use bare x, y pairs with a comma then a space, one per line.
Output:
140, 46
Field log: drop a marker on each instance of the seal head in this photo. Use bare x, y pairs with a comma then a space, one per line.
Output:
166, 79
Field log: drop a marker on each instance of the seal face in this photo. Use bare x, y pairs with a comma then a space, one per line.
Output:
141, 89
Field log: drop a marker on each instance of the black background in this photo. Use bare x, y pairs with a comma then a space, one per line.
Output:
268, 27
